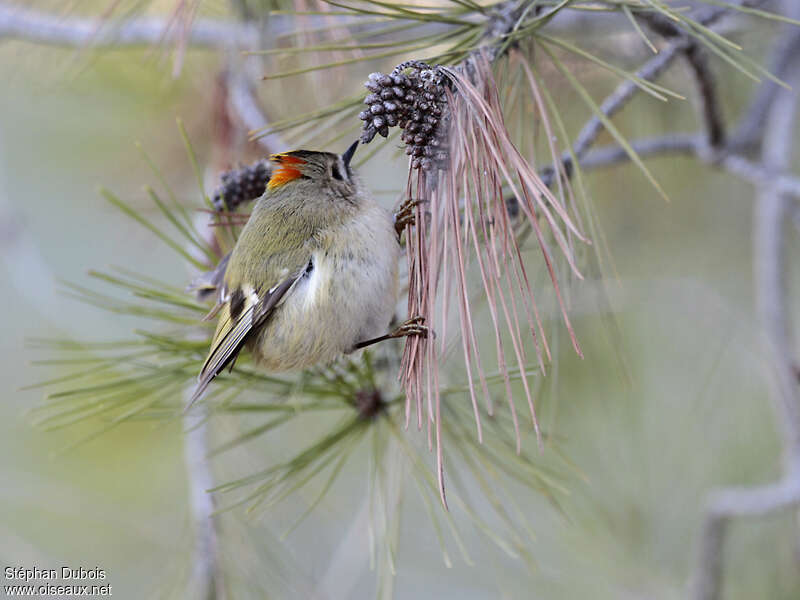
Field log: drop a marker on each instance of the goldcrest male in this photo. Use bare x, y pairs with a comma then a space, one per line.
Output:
313, 274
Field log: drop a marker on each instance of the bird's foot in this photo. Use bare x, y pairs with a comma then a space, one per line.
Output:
414, 326
405, 215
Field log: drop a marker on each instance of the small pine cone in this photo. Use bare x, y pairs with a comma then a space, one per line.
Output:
413, 98
241, 185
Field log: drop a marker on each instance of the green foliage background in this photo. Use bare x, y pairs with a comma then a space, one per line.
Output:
694, 414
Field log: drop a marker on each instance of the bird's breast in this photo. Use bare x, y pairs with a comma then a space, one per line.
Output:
346, 295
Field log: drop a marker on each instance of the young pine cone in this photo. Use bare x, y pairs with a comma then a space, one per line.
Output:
412, 97
241, 185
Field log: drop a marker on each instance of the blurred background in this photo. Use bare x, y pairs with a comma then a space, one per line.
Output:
675, 405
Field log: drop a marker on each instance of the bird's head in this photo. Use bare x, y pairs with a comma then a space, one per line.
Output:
314, 174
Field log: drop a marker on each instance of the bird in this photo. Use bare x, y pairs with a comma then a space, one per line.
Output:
313, 273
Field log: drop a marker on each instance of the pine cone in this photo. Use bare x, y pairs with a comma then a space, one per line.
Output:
412, 97
241, 185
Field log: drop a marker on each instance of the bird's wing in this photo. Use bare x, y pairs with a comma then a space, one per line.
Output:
245, 311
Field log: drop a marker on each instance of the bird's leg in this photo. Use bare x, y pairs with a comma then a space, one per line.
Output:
405, 215
413, 326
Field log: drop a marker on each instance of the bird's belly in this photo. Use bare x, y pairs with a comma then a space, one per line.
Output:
345, 299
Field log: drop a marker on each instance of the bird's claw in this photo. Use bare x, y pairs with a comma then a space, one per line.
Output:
413, 326
405, 215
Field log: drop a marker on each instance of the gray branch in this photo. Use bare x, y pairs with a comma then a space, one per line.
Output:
620, 97
205, 580
689, 144
650, 71
749, 133
17, 22
771, 214
42, 28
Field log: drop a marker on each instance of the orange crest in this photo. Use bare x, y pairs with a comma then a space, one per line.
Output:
286, 170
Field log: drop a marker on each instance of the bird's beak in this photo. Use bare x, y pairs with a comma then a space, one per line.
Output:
348, 154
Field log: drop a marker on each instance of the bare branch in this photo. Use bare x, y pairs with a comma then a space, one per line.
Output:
650, 71
724, 505
620, 97
678, 143
751, 128
42, 28
771, 214
690, 144
205, 581
710, 108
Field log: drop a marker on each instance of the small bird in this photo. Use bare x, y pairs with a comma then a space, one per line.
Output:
313, 274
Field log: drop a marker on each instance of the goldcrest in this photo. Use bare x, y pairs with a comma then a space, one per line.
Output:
313, 274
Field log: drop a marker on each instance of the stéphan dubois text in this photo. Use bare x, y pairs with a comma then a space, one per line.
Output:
63, 574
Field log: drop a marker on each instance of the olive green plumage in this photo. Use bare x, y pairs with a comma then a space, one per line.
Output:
313, 273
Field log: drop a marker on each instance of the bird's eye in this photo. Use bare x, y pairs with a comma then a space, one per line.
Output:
335, 173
